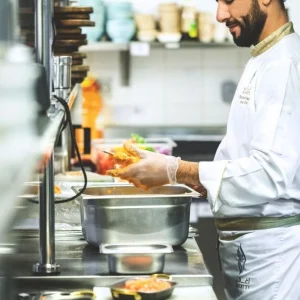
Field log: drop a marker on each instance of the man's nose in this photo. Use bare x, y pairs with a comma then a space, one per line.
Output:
222, 12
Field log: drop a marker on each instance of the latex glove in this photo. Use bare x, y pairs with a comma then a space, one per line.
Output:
150, 170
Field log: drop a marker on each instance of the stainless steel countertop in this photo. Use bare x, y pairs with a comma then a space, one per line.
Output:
180, 293
82, 266
177, 133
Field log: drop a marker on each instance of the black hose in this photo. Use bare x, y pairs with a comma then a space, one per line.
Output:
69, 121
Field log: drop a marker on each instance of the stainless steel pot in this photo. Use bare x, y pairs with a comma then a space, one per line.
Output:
125, 214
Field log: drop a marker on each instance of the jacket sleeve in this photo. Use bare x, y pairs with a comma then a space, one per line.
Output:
274, 156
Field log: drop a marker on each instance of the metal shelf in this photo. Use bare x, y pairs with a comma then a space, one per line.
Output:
110, 46
124, 50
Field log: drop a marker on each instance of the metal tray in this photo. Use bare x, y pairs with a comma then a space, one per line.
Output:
125, 214
136, 259
119, 292
78, 295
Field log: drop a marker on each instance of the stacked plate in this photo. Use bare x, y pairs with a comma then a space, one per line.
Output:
68, 38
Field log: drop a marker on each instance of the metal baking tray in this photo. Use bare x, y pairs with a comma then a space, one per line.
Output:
136, 259
125, 214
119, 292
78, 295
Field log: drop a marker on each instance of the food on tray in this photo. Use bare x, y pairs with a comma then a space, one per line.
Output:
35, 189
138, 261
57, 190
147, 285
74, 173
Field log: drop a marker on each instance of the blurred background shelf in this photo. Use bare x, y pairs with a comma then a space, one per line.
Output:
111, 46
126, 50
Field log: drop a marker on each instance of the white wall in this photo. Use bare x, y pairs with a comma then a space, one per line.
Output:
294, 12
173, 87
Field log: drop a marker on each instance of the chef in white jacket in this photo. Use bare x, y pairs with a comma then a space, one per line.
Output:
253, 184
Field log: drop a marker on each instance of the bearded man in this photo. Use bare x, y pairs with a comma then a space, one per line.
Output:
253, 184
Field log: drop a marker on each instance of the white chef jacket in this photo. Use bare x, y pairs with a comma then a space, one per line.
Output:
256, 170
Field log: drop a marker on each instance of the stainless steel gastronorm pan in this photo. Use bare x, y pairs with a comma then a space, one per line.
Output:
136, 259
125, 214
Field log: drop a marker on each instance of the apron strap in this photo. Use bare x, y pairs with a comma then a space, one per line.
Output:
218, 251
255, 223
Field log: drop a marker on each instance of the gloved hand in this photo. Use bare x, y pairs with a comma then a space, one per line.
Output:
151, 169
200, 189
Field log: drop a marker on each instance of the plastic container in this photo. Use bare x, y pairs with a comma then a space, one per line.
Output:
104, 162
120, 31
92, 104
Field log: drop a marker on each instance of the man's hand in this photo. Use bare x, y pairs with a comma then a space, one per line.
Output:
147, 169
200, 189
151, 170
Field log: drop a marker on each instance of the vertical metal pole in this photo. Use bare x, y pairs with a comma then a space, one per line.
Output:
6, 21
43, 46
62, 89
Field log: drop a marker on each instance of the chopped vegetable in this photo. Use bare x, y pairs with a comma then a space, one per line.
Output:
136, 138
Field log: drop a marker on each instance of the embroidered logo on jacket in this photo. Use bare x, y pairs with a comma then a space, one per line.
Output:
245, 95
241, 259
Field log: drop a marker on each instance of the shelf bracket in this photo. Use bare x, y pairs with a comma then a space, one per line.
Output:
125, 65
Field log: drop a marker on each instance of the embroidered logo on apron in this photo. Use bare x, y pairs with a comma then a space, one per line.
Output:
241, 259
242, 283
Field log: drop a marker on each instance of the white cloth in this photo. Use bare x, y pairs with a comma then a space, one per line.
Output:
256, 171
262, 265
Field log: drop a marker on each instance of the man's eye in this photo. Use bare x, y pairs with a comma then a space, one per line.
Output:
228, 1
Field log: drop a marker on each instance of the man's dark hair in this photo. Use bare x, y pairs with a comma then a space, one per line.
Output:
282, 4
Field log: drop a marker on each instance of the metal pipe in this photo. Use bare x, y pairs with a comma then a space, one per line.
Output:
47, 218
62, 89
44, 36
62, 72
47, 263
43, 46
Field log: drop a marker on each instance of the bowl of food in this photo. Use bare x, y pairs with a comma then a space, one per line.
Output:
155, 287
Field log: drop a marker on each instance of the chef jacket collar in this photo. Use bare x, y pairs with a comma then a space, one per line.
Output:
272, 39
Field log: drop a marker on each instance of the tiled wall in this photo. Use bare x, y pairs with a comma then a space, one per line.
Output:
173, 87
170, 87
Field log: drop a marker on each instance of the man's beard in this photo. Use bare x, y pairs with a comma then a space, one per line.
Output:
254, 23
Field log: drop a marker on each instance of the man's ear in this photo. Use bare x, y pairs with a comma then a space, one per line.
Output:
266, 2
